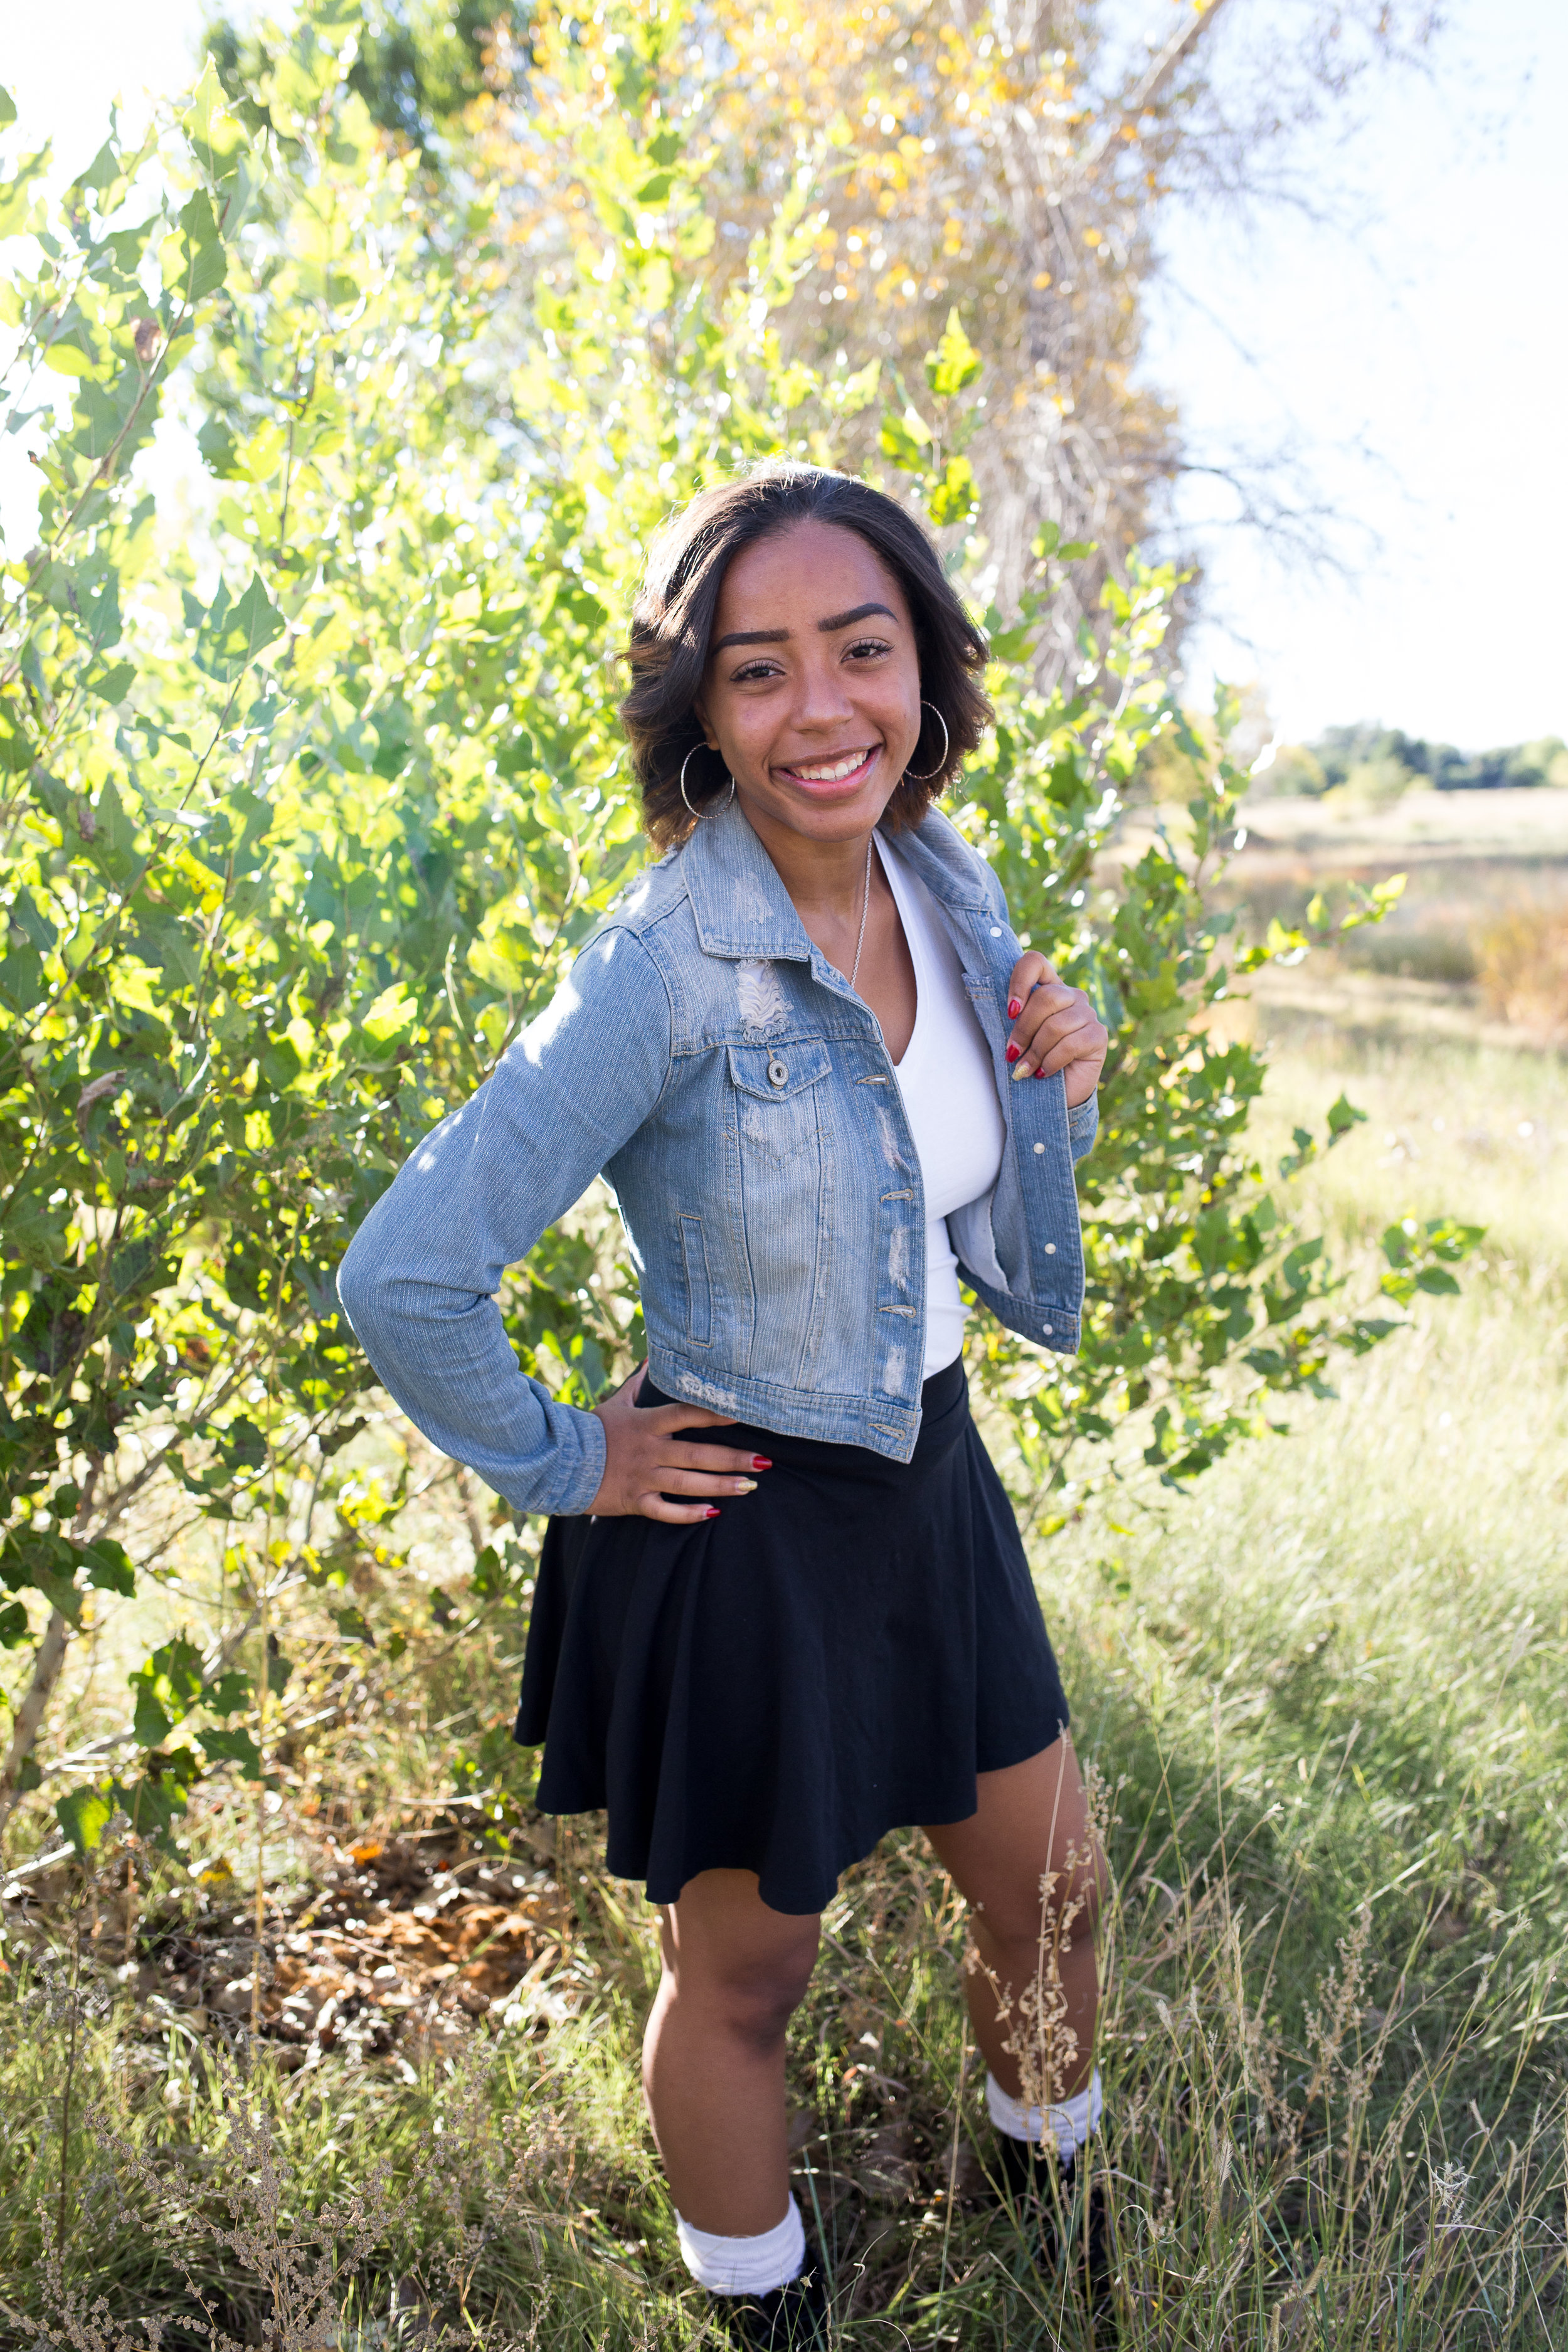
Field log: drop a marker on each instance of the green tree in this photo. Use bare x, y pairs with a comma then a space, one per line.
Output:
419, 67
309, 802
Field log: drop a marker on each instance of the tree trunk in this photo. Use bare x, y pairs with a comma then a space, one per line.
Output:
46, 1665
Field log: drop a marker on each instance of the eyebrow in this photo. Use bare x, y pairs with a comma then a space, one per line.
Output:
781, 636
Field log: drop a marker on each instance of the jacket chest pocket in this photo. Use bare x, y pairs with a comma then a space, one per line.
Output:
776, 1099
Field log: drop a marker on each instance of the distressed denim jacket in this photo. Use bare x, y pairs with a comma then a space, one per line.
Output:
715, 1067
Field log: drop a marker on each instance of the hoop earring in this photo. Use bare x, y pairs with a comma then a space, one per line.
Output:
915, 774
722, 804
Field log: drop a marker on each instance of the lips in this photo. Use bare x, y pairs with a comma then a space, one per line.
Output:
840, 772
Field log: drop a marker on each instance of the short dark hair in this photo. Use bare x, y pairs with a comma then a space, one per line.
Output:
672, 623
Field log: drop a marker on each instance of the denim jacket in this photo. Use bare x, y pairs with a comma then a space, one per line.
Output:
707, 1060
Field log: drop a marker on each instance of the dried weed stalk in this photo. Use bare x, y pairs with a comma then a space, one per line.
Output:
1040, 2038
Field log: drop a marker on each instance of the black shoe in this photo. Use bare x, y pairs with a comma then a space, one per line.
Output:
792, 2318
1075, 2232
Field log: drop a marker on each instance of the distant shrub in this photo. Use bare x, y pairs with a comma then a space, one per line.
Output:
1441, 954
1375, 783
1376, 764
1523, 963
1296, 770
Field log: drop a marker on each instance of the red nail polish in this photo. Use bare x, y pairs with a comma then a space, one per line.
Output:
1013, 1052
711, 1512
1040, 1074
761, 1462
1015, 1006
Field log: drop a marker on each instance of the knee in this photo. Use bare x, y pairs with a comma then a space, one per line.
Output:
1063, 1910
752, 1996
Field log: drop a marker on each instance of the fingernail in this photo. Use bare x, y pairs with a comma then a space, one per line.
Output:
1023, 1071
711, 1512
1013, 1052
745, 1486
1015, 1006
761, 1462
1040, 1074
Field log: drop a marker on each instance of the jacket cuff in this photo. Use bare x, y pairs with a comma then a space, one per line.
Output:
565, 1481
1083, 1125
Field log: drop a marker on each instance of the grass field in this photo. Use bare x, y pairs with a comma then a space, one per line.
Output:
1324, 1696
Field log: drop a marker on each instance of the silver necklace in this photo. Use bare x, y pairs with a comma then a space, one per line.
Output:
865, 910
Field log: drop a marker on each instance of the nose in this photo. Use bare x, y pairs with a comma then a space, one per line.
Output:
823, 699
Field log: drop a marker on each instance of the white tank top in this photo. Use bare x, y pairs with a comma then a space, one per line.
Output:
949, 1091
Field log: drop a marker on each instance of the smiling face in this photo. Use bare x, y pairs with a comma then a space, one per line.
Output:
811, 691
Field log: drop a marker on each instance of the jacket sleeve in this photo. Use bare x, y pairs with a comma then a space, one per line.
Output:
1083, 1118
1083, 1125
419, 1280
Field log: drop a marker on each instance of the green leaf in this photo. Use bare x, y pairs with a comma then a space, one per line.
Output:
232, 1748
217, 140
112, 685
109, 1568
156, 1803
151, 1724
394, 1012
16, 750
14, 1625
231, 635
957, 496
84, 1816
905, 439
16, 200
955, 363
166, 1687
26, 913
231, 1692
8, 109
194, 265
66, 356
220, 450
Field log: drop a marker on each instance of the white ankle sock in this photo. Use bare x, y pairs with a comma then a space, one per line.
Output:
1069, 2123
744, 2266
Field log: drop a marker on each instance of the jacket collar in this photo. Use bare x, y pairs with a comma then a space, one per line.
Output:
742, 910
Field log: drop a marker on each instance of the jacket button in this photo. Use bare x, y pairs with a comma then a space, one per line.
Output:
1050, 1249
778, 1072
1039, 1147
995, 930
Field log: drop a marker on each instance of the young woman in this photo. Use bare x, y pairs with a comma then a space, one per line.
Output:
783, 1605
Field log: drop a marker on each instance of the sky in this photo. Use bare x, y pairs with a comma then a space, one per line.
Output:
1414, 365
1419, 363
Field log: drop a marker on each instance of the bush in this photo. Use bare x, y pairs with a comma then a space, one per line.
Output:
307, 807
1522, 964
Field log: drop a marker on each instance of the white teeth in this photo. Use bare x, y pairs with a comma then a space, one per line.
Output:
833, 773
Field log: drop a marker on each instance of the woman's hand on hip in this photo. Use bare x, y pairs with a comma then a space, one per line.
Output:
1054, 1028
646, 1461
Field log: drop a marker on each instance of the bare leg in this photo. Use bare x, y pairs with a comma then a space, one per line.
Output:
713, 2056
1031, 1819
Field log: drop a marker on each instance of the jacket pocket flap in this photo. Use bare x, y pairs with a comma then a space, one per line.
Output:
776, 1072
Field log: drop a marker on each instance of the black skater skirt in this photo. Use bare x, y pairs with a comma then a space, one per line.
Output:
836, 1655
